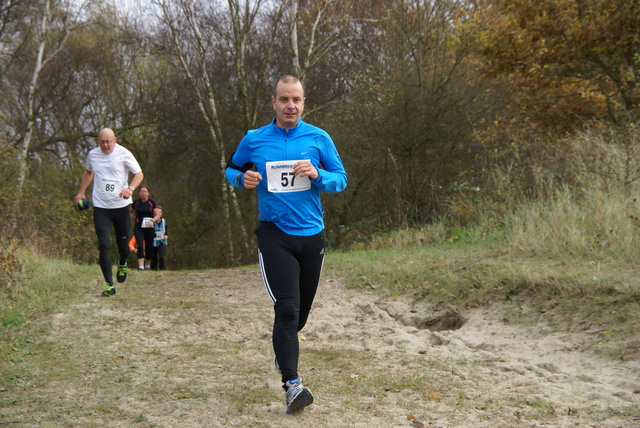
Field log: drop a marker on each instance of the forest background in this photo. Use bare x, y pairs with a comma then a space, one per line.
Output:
443, 111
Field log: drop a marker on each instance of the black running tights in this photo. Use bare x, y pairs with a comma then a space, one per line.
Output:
103, 219
291, 267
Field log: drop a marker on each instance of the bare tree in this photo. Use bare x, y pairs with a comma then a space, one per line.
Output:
205, 94
41, 59
243, 19
316, 44
8, 40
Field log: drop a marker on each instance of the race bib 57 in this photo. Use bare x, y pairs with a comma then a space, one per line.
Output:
280, 178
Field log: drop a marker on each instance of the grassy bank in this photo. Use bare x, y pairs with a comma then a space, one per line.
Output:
569, 264
174, 344
569, 260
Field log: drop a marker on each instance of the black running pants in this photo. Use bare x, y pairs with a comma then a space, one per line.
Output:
103, 220
291, 267
144, 241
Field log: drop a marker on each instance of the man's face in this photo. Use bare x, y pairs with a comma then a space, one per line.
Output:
107, 142
288, 104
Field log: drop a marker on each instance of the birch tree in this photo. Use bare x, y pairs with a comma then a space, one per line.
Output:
42, 57
243, 21
309, 44
206, 98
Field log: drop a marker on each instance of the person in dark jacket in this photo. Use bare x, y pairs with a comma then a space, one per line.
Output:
143, 226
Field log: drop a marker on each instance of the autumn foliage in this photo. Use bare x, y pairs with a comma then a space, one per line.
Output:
574, 61
441, 109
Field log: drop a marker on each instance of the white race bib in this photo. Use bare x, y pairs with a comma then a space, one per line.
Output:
147, 222
280, 178
108, 185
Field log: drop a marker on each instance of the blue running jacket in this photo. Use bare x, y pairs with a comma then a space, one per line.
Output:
295, 212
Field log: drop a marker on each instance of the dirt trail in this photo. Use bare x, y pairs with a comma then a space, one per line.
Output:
196, 350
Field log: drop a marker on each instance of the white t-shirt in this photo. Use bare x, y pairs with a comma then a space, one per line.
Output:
111, 176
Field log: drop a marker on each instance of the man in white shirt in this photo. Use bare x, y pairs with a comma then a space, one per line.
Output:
109, 165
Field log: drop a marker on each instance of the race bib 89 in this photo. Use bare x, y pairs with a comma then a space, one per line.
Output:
106, 185
280, 178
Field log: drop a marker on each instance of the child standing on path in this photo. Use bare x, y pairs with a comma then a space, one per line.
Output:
159, 240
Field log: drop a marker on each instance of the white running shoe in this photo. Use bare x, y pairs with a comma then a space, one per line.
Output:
298, 395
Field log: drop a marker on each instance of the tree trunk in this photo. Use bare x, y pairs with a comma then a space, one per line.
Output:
207, 106
23, 154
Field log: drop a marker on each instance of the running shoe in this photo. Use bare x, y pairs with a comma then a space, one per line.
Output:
122, 272
140, 267
109, 290
298, 395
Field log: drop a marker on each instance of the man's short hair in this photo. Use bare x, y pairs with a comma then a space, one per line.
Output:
287, 78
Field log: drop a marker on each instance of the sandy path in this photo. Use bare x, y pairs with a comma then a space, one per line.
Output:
195, 350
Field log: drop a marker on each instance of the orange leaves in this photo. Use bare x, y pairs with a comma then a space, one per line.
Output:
571, 57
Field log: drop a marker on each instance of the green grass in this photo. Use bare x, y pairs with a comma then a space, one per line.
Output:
39, 285
572, 255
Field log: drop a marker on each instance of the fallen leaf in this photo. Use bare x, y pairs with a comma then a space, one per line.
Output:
432, 395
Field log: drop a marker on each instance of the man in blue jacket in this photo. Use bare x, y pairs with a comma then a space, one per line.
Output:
294, 161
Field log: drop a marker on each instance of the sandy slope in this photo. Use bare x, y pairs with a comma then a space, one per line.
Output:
493, 360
